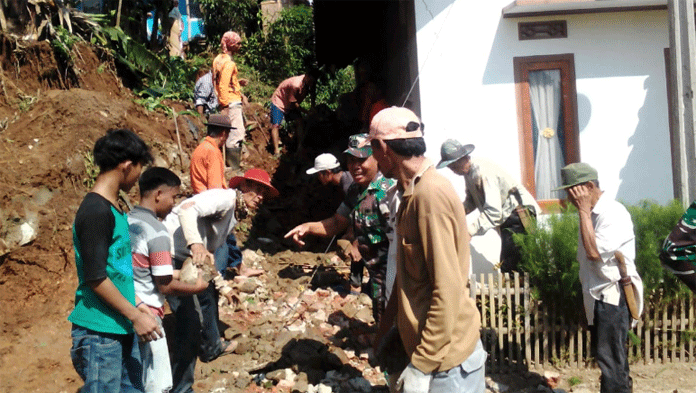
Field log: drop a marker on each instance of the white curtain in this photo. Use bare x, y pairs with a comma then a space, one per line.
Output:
545, 94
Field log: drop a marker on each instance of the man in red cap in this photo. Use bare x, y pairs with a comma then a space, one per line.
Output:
198, 226
229, 91
437, 319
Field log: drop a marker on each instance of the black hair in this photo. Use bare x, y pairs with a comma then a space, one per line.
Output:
410, 147
155, 177
338, 169
314, 73
120, 145
215, 131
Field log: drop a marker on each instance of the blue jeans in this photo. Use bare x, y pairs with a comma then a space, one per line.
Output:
196, 334
228, 255
468, 377
106, 362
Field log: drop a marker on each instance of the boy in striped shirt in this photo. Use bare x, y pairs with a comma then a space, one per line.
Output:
153, 273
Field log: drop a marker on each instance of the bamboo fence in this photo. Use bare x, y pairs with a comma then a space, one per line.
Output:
520, 334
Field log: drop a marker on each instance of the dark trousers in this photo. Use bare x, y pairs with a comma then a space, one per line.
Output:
196, 334
609, 335
509, 252
376, 285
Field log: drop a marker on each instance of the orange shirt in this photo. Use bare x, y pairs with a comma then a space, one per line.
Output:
207, 167
227, 86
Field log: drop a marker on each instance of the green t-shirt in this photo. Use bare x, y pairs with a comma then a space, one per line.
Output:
102, 250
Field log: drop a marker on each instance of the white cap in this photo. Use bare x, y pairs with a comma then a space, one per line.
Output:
324, 162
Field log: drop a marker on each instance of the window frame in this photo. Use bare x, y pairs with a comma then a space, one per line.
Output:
522, 66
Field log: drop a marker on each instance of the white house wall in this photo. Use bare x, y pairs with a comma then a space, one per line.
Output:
467, 91
465, 58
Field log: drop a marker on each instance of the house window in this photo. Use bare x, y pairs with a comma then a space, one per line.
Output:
542, 30
547, 109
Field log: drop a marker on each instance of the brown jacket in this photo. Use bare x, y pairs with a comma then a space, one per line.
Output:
438, 321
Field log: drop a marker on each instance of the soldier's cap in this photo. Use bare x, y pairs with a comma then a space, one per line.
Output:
357, 146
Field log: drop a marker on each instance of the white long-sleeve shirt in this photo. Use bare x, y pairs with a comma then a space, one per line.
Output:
206, 218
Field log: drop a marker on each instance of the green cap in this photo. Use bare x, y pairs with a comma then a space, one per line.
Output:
576, 173
353, 146
451, 151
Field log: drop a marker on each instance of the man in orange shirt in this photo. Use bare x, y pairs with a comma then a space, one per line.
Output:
229, 92
207, 165
208, 172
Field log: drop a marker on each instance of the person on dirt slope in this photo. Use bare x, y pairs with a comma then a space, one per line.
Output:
229, 92
153, 273
435, 315
106, 324
605, 228
200, 225
204, 95
208, 172
285, 103
329, 171
499, 198
366, 210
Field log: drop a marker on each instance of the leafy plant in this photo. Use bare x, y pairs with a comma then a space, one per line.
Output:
652, 223
221, 16
287, 49
332, 85
63, 43
572, 381
549, 257
91, 170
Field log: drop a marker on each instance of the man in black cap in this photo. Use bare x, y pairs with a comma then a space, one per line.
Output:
605, 228
498, 196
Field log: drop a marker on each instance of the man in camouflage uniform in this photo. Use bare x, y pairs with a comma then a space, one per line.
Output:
365, 215
679, 249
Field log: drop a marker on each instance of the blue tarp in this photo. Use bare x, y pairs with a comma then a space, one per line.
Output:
197, 28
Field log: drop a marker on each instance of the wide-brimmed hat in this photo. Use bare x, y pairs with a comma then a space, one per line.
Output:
576, 173
324, 162
357, 146
258, 175
451, 150
218, 120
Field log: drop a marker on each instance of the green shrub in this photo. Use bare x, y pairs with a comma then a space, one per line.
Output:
221, 16
332, 84
286, 50
652, 223
549, 256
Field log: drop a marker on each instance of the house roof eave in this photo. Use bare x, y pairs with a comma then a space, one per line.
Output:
584, 7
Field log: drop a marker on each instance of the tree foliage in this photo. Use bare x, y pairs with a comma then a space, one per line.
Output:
221, 16
286, 50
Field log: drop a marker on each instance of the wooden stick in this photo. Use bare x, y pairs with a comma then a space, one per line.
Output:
178, 139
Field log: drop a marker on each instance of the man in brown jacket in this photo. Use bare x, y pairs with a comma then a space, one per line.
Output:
437, 319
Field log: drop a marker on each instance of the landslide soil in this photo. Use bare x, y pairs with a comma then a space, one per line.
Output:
49, 120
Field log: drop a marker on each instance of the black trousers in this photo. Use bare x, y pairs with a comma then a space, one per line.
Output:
509, 252
609, 335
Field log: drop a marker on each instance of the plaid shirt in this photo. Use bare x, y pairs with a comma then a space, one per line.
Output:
204, 93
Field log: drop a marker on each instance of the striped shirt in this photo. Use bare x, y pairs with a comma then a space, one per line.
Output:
150, 247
